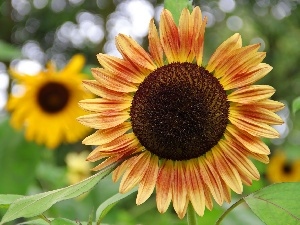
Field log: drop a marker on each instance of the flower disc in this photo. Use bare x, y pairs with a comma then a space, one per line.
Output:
53, 97
180, 111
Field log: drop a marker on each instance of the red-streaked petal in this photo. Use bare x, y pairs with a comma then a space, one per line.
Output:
123, 68
112, 81
252, 143
185, 36
268, 104
254, 128
251, 93
212, 181
240, 60
164, 185
169, 36
104, 120
135, 172
119, 171
102, 104
224, 50
155, 47
239, 160
179, 191
148, 182
96, 88
228, 174
246, 77
101, 137
133, 52
195, 186
261, 115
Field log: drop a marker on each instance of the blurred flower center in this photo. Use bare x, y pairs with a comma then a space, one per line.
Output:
287, 168
180, 111
53, 97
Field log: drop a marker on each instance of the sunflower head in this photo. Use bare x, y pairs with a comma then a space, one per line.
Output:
282, 169
189, 128
47, 108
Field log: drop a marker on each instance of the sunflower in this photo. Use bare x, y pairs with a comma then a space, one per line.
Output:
176, 125
77, 167
280, 169
48, 108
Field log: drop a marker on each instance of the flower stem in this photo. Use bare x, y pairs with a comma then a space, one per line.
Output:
191, 215
229, 210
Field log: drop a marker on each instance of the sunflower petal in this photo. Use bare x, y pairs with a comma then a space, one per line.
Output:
104, 120
223, 51
101, 137
135, 172
228, 174
155, 47
98, 89
123, 68
179, 191
195, 187
164, 185
133, 52
251, 93
102, 104
252, 143
148, 182
169, 36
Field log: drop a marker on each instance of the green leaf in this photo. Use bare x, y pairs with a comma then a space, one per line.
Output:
63, 221
176, 6
18, 160
104, 208
35, 222
277, 204
6, 200
296, 105
8, 51
34, 205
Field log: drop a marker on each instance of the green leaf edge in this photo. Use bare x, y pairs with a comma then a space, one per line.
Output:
13, 214
107, 205
296, 105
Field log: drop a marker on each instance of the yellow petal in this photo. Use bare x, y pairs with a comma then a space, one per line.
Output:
74, 66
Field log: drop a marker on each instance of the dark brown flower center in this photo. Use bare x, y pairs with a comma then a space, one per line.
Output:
287, 168
53, 97
179, 112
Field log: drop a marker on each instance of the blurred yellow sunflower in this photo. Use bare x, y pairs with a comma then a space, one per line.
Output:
189, 128
48, 108
281, 169
77, 167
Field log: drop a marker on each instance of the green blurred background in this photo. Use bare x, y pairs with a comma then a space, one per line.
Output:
34, 31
